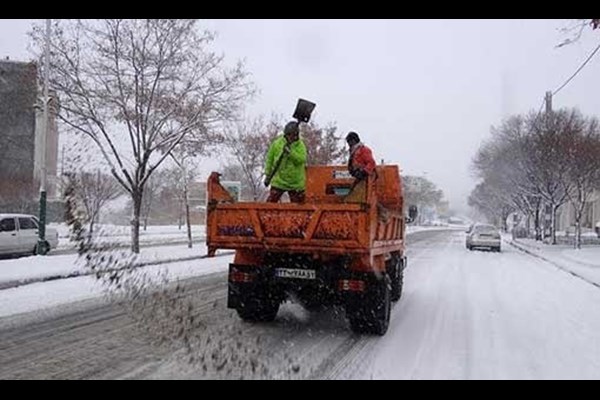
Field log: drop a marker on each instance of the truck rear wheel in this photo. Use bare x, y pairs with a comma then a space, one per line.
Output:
258, 309
372, 314
396, 273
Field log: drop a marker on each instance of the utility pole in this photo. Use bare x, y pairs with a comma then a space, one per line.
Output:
548, 103
549, 215
41, 247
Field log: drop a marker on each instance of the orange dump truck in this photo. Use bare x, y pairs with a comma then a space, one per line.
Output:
343, 246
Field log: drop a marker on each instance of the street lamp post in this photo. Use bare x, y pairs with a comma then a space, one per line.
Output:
42, 248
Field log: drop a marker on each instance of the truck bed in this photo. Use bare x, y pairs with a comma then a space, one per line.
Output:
324, 224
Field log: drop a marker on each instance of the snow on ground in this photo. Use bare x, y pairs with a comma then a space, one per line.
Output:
588, 233
64, 291
584, 262
413, 228
587, 255
125, 230
122, 234
484, 315
463, 315
27, 268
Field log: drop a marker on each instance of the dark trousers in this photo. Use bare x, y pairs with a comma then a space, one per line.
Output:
296, 196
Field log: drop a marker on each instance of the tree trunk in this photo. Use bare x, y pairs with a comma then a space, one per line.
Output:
91, 229
538, 227
180, 218
136, 196
189, 225
578, 232
505, 214
553, 223
93, 219
579, 207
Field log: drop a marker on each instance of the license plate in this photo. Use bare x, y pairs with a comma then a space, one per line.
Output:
295, 273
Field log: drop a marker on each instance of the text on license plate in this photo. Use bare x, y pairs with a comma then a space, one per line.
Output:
295, 273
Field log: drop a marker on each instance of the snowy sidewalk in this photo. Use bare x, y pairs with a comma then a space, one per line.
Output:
584, 263
120, 234
23, 271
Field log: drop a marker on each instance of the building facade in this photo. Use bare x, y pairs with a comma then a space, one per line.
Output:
21, 129
589, 219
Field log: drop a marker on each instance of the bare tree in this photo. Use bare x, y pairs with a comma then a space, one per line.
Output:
138, 88
421, 191
324, 147
503, 163
93, 190
187, 170
247, 142
485, 198
575, 30
151, 191
531, 162
584, 167
549, 145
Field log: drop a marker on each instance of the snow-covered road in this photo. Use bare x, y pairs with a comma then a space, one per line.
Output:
463, 315
483, 315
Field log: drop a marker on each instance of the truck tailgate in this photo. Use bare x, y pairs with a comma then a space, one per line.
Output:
336, 228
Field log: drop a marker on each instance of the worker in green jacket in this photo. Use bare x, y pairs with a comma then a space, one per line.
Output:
285, 165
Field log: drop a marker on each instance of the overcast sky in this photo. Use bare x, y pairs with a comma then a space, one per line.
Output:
421, 93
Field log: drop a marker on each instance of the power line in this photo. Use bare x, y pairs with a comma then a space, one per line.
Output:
535, 120
579, 69
541, 108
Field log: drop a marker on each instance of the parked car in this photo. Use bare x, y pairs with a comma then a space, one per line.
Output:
481, 235
19, 234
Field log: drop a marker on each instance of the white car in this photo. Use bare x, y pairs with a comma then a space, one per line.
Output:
19, 234
480, 235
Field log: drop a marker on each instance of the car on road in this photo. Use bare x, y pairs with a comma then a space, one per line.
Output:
19, 234
482, 235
